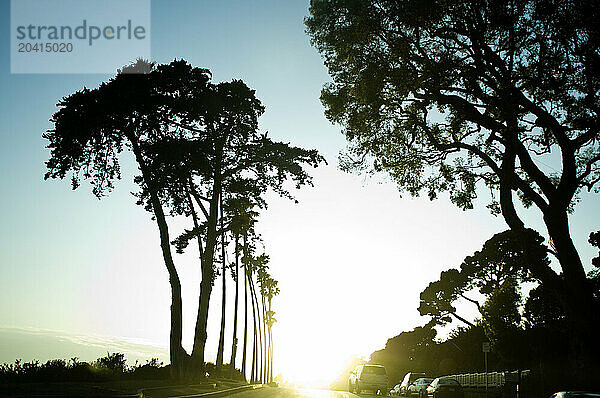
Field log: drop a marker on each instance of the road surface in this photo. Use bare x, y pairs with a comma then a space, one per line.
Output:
282, 392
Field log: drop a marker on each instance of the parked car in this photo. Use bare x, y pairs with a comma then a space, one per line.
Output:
418, 388
409, 378
443, 387
396, 390
575, 394
368, 377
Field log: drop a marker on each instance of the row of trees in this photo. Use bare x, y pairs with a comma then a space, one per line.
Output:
201, 158
497, 274
526, 332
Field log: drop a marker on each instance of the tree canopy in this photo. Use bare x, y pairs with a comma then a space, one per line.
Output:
446, 96
416, 83
500, 259
500, 313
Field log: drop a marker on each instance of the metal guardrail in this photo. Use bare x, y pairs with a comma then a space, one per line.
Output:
491, 379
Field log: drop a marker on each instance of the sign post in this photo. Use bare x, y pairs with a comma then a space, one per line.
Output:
486, 348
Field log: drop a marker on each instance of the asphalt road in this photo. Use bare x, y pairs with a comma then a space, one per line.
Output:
281, 392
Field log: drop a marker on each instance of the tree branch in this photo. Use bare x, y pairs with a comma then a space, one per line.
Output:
198, 199
472, 301
462, 319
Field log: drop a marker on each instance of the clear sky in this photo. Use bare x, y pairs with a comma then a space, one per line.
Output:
351, 257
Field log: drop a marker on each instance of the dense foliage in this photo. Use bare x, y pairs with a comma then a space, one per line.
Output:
446, 96
501, 259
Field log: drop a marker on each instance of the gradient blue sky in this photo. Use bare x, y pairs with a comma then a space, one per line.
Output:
73, 265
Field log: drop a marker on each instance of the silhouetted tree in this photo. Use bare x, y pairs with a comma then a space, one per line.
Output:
254, 365
407, 352
236, 278
438, 297
447, 95
501, 258
543, 310
255, 264
218, 152
263, 316
501, 317
249, 263
196, 144
242, 221
132, 111
245, 346
461, 351
270, 291
263, 279
221, 346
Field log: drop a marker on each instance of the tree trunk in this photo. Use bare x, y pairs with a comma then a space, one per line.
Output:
207, 282
260, 358
235, 309
270, 342
270, 345
219, 364
201, 324
572, 289
257, 332
266, 338
271, 353
254, 373
568, 257
577, 298
177, 355
245, 351
265, 353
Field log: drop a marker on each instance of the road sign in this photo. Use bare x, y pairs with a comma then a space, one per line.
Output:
486, 348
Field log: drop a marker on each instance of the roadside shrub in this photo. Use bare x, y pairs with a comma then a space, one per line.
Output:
110, 367
151, 370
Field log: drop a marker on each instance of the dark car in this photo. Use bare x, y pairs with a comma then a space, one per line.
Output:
419, 387
409, 378
445, 388
575, 394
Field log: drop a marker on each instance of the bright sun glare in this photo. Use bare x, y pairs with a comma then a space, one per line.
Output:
308, 369
315, 363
